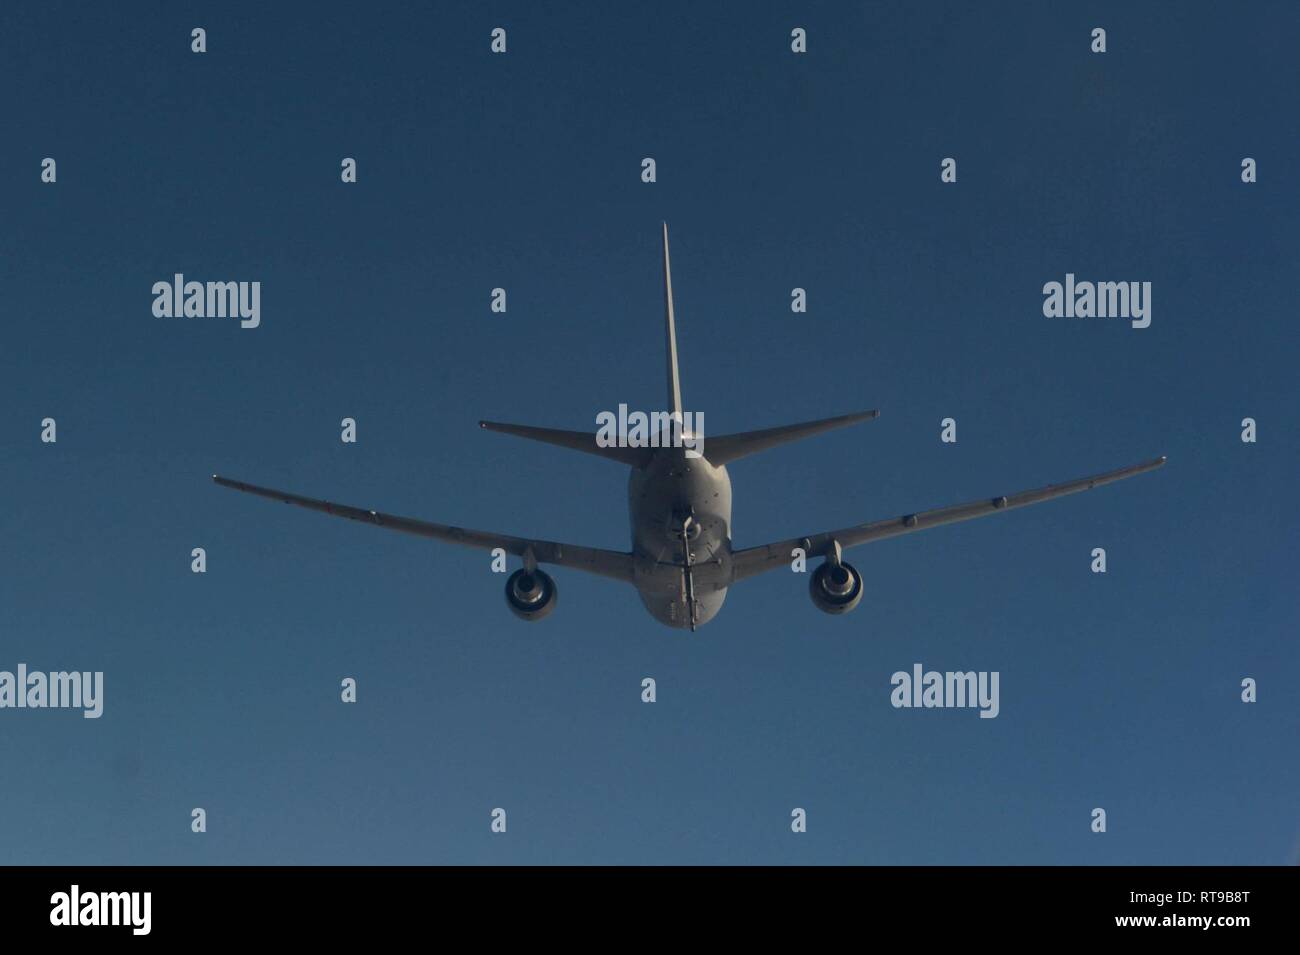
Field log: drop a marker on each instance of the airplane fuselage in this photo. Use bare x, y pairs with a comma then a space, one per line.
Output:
675, 493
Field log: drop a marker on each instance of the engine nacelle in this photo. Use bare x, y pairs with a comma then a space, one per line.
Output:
530, 595
835, 588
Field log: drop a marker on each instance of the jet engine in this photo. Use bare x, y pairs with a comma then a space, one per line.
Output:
835, 587
530, 594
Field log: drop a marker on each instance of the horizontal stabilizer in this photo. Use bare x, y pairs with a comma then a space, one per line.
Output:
730, 447
574, 441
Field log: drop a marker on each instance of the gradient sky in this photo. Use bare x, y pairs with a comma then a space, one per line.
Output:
522, 171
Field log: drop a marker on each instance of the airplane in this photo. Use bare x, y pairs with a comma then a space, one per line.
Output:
682, 562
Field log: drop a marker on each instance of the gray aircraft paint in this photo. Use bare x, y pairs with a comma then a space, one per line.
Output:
679, 508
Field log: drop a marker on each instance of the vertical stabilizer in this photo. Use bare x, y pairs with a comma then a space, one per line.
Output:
674, 380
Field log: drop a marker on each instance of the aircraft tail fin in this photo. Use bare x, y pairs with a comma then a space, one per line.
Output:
637, 457
574, 441
730, 447
674, 379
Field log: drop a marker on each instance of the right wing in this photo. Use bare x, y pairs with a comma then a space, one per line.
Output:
606, 563
756, 560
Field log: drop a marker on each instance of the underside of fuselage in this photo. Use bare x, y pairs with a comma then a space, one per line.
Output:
680, 510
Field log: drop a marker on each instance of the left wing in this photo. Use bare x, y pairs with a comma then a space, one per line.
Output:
606, 563
755, 560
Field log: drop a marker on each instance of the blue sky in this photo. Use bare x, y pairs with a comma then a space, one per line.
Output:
522, 171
